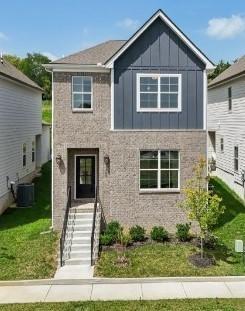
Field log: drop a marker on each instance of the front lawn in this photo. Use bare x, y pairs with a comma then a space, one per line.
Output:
47, 111
171, 258
164, 305
25, 252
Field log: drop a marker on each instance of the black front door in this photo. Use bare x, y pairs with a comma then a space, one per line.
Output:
85, 177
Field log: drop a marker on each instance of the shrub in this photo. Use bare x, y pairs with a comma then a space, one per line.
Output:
125, 239
159, 234
182, 232
113, 229
137, 233
106, 239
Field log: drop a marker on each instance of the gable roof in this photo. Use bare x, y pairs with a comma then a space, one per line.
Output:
209, 64
9, 71
235, 70
99, 53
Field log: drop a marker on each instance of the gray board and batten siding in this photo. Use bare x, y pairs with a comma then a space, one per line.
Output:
158, 50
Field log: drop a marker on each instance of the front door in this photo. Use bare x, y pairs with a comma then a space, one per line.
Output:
85, 177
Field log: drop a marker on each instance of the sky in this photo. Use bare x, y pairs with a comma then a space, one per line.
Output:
58, 28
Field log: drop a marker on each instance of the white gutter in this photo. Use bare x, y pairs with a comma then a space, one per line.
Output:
76, 68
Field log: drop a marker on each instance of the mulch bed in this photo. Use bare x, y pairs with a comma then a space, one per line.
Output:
199, 262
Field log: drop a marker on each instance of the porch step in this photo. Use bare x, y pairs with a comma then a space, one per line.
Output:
80, 227
80, 254
79, 247
86, 215
78, 261
77, 234
79, 240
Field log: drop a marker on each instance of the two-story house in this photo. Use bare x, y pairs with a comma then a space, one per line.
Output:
129, 123
226, 126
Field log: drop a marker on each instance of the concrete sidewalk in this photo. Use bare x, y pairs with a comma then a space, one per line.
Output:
121, 289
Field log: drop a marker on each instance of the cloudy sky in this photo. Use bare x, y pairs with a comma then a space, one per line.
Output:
61, 27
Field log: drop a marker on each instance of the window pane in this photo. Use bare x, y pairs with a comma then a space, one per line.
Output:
148, 100
174, 80
173, 101
77, 100
148, 179
148, 84
164, 179
165, 88
174, 155
173, 88
165, 159
148, 159
173, 179
164, 80
86, 101
164, 100
86, 84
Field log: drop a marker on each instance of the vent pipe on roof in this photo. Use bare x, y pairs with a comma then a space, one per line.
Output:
1, 57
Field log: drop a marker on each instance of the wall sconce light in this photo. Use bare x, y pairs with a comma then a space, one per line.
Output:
58, 159
106, 160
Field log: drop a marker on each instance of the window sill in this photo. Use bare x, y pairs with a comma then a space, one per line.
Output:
155, 191
159, 110
81, 110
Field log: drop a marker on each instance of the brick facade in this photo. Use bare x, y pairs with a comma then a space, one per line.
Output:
78, 133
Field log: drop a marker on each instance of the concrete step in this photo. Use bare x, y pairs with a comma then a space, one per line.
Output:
78, 261
83, 227
78, 240
80, 216
80, 247
79, 222
80, 254
76, 234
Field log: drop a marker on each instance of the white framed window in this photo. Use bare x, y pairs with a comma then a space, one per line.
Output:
159, 92
24, 155
82, 94
236, 158
160, 170
222, 144
33, 151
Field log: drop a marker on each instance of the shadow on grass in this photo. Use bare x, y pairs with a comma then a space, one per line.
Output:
41, 209
233, 204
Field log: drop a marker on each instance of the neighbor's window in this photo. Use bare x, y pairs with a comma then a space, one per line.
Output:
236, 158
222, 144
158, 92
230, 98
33, 151
24, 155
159, 169
82, 93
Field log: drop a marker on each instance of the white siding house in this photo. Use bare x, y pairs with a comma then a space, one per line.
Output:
226, 126
20, 129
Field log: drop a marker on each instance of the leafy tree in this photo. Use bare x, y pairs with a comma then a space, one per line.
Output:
222, 66
200, 204
32, 66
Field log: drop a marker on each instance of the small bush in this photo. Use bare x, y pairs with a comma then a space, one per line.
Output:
106, 239
125, 239
159, 234
113, 229
211, 241
182, 232
137, 233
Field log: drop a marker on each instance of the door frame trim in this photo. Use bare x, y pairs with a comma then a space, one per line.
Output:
75, 172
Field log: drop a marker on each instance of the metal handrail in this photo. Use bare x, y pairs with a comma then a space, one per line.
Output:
97, 205
63, 233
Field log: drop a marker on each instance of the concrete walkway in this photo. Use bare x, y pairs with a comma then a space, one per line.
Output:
54, 290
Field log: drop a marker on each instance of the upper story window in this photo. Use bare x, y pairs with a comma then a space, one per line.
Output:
159, 170
236, 158
82, 96
33, 151
24, 155
158, 92
230, 98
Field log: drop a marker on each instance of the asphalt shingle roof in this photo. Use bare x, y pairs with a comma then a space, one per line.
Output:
97, 54
234, 70
10, 71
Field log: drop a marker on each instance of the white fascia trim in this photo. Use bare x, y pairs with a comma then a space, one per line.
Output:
206, 61
158, 109
76, 68
205, 99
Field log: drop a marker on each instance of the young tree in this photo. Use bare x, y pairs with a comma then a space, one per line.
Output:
222, 66
200, 204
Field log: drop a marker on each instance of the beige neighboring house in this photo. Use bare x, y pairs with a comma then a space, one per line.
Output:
129, 123
22, 151
226, 126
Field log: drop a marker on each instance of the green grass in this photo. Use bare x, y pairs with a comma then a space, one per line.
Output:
47, 111
171, 259
25, 253
164, 305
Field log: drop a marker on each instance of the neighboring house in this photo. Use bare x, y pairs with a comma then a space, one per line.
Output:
46, 143
226, 125
20, 130
129, 121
